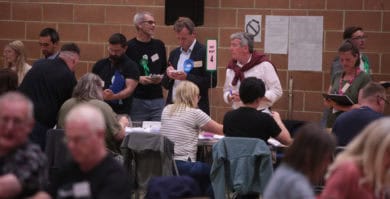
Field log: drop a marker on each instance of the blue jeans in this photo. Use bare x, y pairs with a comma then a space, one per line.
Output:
199, 171
147, 110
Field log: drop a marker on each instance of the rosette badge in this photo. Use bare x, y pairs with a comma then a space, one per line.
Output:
188, 65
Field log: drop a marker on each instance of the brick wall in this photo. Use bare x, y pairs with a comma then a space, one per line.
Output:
90, 22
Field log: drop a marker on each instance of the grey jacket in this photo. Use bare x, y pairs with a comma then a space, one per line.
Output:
244, 165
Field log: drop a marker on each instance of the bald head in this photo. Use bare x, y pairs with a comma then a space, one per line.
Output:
84, 132
88, 114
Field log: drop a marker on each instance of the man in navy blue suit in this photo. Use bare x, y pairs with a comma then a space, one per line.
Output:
188, 62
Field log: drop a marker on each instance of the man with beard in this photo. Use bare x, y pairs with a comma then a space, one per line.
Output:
119, 73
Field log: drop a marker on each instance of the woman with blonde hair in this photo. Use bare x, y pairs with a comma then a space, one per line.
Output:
362, 170
15, 59
181, 122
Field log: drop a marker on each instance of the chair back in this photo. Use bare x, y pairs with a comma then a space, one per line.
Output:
240, 165
147, 155
170, 187
56, 151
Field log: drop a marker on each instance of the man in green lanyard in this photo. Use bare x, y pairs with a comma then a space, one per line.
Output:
356, 35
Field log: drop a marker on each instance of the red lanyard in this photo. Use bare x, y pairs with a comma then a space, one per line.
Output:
357, 71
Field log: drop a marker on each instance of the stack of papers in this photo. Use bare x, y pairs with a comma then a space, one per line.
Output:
209, 136
275, 143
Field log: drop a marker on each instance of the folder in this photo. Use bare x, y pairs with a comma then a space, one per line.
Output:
343, 100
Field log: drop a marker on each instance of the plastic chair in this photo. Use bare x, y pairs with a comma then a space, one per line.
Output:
242, 166
147, 155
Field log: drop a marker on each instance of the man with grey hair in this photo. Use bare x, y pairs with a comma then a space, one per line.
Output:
23, 166
93, 173
49, 84
246, 62
188, 62
150, 55
372, 101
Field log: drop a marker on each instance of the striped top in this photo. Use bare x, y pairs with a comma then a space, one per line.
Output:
182, 128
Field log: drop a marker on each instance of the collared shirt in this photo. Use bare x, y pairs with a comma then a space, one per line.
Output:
29, 165
53, 56
180, 64
265, 71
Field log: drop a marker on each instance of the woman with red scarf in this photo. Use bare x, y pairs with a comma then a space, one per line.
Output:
248, 63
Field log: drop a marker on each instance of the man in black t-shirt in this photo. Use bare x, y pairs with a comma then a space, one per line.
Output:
93, 172
150, 54
119, 73
246, 121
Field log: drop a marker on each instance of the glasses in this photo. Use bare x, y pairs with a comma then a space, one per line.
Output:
359, 38
150, 22
17, 122
44, 44
382, 98
75, 140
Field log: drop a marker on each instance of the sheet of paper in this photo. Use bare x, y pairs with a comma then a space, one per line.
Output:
253, 26
212, 55
276, 34
305, 43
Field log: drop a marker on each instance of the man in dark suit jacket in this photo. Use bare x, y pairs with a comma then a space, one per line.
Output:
188, 62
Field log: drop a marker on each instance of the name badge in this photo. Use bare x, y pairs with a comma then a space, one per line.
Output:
345, 87
198, 64
154, 57
81, 189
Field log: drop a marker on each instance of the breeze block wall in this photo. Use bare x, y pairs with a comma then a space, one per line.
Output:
89, 23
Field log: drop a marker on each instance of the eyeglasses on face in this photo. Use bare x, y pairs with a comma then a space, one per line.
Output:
359, 38
384, 99
44, 44
150, 22
17, 122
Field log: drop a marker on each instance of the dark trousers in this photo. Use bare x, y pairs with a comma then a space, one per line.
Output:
200, 172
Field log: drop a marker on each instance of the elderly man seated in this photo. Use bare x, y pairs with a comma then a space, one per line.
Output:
94, 173
23, 166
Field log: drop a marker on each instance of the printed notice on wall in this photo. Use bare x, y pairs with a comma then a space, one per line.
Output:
212, 55
305, 43
253, 26
276, 34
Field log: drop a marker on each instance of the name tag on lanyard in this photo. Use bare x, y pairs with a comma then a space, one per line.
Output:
345, 87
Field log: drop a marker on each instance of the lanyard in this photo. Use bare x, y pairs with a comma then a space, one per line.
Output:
366, 64
340, 91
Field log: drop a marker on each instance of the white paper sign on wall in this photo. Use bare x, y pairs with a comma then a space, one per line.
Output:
212, 55
253, 26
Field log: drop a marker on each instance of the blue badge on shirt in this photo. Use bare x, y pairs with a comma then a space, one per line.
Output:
188, 65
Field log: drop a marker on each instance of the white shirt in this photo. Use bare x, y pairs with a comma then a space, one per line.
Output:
180, 65
264, 71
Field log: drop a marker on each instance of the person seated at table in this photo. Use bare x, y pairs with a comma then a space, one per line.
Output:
181, 122
246, 121
372, 99
304, 164
90, 89
92, 172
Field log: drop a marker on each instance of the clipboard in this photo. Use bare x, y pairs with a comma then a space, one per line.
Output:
385, 84
343, 100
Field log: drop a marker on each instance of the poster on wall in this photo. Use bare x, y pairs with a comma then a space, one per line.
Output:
305, 43
276, 34
212, 55
253, 26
